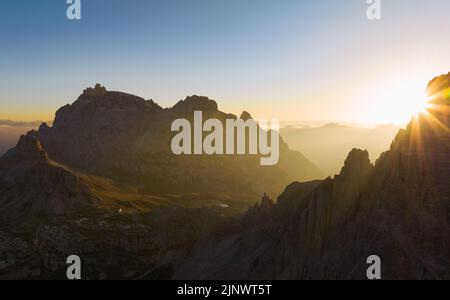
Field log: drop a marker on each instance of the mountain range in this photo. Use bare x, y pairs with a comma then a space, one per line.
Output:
397, 209
101, 182
117, 147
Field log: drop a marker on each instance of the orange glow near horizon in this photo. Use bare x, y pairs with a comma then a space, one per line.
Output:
28, 116
391, 102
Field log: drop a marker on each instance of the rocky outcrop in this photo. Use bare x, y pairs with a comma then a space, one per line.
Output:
29, 148
245, 116
196, 103
32, 185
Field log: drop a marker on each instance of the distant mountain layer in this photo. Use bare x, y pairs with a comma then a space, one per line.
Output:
398, 209
328, 146
11, 123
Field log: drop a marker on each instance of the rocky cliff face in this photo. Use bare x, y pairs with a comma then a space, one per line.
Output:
272, 241
126, 138
398, 209
99, 131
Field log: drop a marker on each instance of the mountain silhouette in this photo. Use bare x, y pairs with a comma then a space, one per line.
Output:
95, 182
127, 139
112, 146
398, 209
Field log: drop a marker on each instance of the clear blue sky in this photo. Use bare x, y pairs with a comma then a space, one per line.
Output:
286, 59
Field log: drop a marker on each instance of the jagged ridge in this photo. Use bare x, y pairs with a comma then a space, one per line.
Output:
32, 185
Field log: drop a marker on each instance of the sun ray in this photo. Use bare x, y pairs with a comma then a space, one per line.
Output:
432, 119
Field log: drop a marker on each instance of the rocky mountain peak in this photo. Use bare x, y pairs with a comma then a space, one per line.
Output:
29, 147
357, 164
98, 108
44, 126
98, 90
246, 116
196, 103
99, 97
118, 135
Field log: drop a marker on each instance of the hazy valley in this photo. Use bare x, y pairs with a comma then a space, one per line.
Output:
328, 145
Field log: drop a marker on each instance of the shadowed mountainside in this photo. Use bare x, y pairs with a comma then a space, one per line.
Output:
118, 146
398, 209
33, 185
127, 139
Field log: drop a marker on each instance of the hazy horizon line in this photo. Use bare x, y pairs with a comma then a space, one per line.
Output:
284, 124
